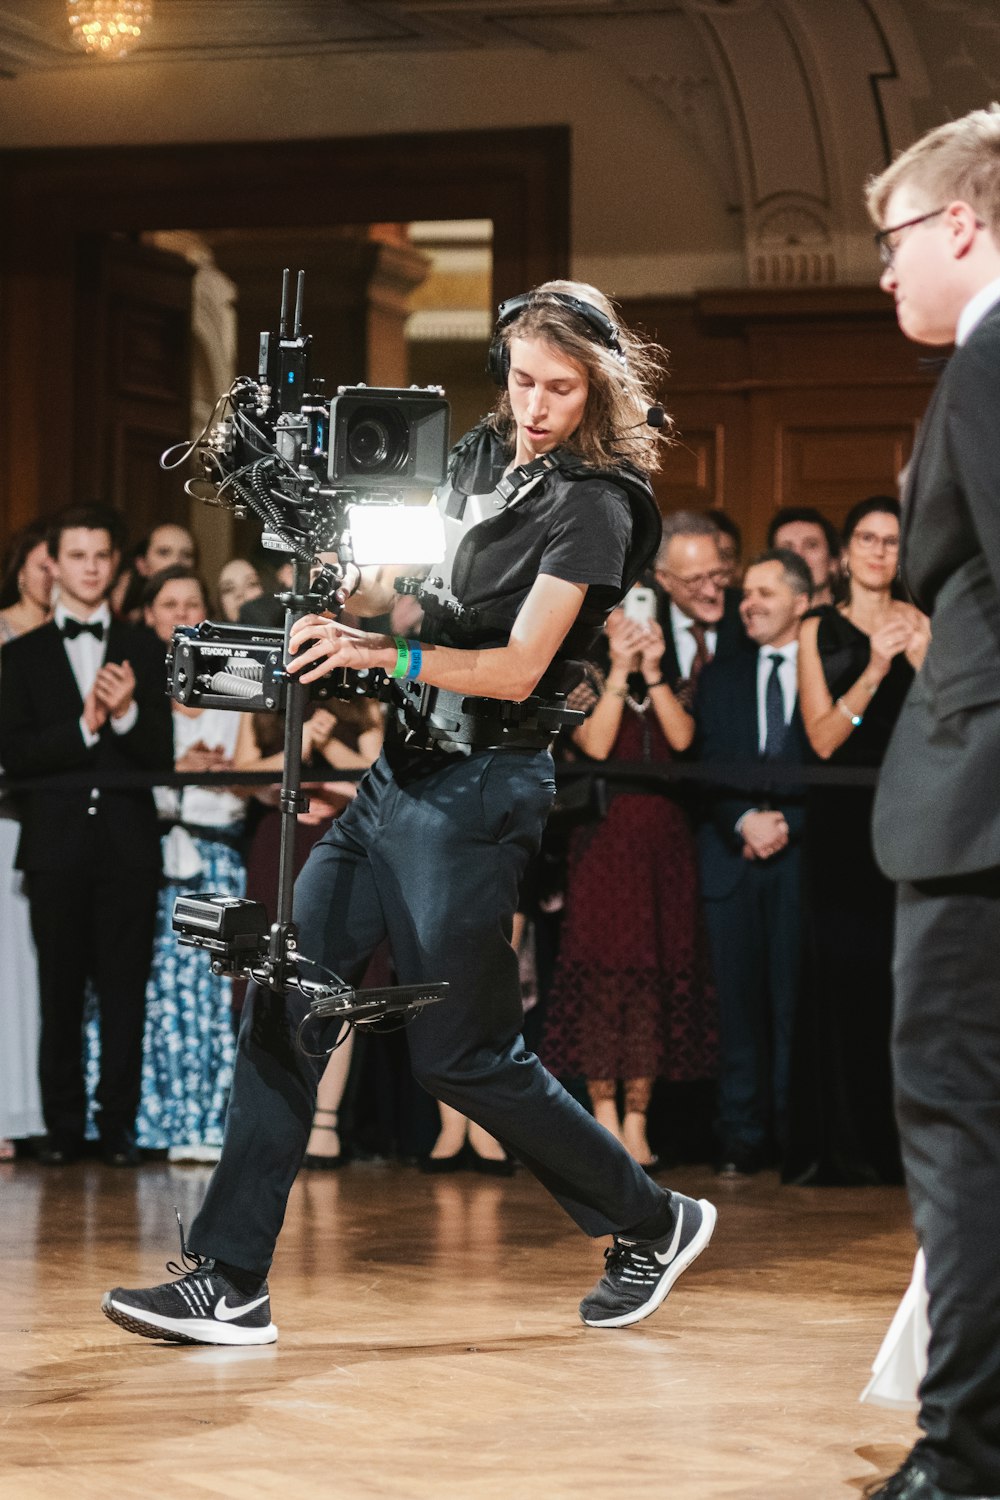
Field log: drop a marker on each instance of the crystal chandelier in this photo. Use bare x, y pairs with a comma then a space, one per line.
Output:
108, 28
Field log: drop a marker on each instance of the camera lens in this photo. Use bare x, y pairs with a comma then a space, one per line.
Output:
377, 440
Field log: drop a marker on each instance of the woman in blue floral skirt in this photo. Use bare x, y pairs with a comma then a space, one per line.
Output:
189, 1047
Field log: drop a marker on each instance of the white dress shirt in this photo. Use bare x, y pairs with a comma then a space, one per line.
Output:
86, 657
976, 309
788, 678
684, 642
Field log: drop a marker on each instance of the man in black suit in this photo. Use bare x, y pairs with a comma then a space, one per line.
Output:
937, 811
86, 693
698, 614
748, 845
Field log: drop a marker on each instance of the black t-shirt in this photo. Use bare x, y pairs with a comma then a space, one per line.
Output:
575, 529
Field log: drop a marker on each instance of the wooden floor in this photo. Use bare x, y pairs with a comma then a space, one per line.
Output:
430, 1347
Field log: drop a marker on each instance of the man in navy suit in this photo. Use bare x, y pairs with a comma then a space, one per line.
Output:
937, 810
747, 711
87, 693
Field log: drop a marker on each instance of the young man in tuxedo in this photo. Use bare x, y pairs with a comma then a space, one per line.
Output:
937, 810
748, 846
86, 693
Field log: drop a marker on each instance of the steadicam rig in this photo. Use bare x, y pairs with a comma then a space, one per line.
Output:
324, 474
345, 476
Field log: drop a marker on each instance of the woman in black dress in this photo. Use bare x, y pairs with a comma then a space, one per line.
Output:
856, 663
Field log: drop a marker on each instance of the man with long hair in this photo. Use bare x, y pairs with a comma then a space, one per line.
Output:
549, 518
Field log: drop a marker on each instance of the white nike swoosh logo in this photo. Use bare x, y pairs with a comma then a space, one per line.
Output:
227, 1313
668, 1257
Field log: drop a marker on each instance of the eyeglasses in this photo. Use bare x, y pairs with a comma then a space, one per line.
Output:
718, 578
868, 541
887, 251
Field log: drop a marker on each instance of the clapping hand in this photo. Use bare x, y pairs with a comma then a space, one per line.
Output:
114, 688
317, 731
202, 757
888, 641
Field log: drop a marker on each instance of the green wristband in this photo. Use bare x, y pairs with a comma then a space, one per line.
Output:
402, 657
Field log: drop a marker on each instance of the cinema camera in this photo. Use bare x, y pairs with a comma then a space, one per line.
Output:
344, 475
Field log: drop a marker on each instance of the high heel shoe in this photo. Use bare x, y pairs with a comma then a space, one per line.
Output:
436, 1165
491, 1166
312, 1160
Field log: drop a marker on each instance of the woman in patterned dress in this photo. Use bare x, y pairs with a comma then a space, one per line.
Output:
188, 1049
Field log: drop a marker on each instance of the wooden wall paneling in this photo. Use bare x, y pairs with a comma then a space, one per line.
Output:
519, 179
37, 306
786, 397
133, 376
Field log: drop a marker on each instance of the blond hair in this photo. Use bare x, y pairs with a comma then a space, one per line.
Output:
620, 391
956, 161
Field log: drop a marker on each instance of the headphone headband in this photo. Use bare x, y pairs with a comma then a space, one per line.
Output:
604, 330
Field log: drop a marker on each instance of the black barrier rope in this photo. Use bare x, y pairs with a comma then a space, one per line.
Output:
729, 775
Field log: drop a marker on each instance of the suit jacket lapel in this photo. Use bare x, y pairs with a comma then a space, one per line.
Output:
55, 666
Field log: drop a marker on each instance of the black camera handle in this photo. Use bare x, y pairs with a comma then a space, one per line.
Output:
283, 944
281, 969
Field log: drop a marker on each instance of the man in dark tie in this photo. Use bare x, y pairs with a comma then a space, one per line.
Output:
748, 844
86, 693
937, 810
698, 614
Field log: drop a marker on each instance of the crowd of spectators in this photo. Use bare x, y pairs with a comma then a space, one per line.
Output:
707, 948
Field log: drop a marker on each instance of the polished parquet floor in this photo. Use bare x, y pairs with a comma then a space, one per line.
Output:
430, 1348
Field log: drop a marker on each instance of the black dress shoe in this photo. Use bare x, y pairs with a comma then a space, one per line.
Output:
741, 1161
120, 1151
912, 1482
59, 1151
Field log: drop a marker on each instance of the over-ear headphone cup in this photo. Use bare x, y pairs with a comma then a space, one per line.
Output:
498, 362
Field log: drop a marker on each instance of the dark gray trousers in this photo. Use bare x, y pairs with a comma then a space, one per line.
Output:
946, 1053
431, 856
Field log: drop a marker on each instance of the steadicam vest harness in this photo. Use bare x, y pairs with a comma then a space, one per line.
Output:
477, 493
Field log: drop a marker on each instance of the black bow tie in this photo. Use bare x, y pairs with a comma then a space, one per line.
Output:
72, 628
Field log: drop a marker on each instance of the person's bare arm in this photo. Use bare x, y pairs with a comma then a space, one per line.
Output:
673, 718
513, 671
828, 724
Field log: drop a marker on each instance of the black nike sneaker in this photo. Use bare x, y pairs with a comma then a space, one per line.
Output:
638, 1274
201, 1307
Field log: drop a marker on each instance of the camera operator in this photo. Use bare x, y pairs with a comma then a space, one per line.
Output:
431, 850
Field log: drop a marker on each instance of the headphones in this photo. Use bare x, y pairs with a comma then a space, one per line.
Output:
599, 324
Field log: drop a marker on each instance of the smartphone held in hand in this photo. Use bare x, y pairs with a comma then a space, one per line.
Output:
639, 605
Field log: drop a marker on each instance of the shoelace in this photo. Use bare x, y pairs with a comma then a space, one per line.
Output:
190, 1261
629, 1266
615, 1256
